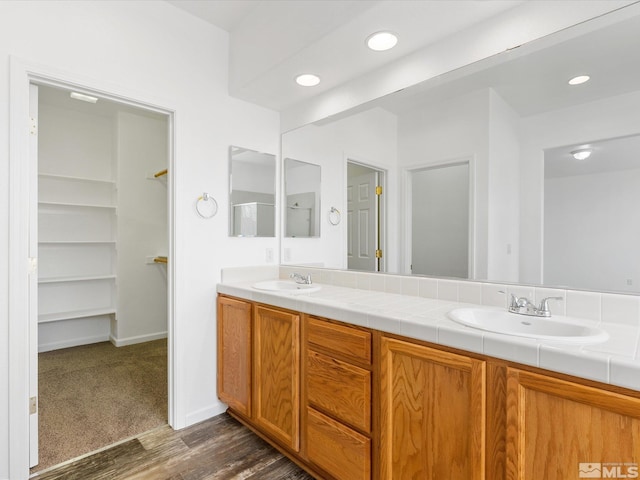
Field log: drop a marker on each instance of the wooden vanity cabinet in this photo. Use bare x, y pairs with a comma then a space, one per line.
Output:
349, 403
234, 354
557, 427
259, 368
338, 399
433, 406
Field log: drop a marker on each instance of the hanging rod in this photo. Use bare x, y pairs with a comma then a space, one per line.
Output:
160, 260
161, 173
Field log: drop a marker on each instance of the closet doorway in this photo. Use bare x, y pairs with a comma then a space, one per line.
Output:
440, 218
102, 288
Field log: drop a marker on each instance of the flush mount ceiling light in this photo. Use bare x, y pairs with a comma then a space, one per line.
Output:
83, 97
381, 41
308, 80
580, 79
581, 154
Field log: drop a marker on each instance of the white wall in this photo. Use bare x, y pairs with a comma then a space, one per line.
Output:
609, 118
595, 217
503, 192
455, 129
149, 50
75, 143
250, 177
142, 230
369, 138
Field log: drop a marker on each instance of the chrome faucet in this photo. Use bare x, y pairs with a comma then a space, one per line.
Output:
302, 279
523, 306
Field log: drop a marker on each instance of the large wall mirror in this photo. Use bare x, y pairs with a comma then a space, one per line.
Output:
252, 193
302, 199
522, 209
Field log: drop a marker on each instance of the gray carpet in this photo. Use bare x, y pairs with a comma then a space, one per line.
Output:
94, 395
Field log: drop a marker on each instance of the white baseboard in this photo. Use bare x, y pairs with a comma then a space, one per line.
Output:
74, 342
123, 342
205, 413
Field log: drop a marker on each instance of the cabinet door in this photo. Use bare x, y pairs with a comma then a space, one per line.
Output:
234, 354
277, 374
432, 413
558, 430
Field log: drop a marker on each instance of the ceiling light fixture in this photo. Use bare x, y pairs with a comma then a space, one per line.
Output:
381, 41
580, 79
83, 97
581, 154
308, 80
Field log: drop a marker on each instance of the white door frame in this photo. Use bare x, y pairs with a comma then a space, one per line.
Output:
407, 209
21, 174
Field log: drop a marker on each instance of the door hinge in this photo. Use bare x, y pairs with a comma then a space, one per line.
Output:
33, 265
378, 253
33, 126
379, 190
33, 405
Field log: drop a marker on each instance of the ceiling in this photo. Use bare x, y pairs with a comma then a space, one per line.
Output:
533, 78
272, 41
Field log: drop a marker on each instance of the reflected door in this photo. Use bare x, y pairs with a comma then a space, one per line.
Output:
440, 221
363, 220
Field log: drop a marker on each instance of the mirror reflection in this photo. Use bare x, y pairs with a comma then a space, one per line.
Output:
439, 220
365, 215
302, 198
252, 193
504, 118
591, 221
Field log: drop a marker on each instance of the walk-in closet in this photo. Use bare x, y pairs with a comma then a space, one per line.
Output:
102, 254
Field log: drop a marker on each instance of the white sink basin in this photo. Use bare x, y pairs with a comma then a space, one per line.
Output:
555, 329
286, 286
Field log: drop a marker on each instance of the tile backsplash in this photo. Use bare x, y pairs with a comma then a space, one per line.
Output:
606, 308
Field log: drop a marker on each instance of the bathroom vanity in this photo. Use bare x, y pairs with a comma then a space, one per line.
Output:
348, 401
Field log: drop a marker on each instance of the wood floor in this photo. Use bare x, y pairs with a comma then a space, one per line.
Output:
219, 448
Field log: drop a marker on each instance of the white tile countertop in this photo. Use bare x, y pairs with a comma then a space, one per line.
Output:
616, 361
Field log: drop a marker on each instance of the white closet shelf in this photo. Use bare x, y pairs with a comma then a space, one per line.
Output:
77, 242
76, 205
78, 278
75, 314
75, 179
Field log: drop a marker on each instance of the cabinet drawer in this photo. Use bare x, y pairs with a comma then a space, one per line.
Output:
347, 341
339, 388
342, 452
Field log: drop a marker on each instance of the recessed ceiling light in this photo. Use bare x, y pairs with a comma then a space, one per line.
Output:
581, 154
579, 79
381, 41
308, 80
83, 97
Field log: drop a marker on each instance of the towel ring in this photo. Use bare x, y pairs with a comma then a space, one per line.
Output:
206, 206
334, 216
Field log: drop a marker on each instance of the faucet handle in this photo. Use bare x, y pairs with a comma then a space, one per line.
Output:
513, 300
543, 309
303, 279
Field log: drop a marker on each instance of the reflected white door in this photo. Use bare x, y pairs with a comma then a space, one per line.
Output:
362, 220
440, 221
